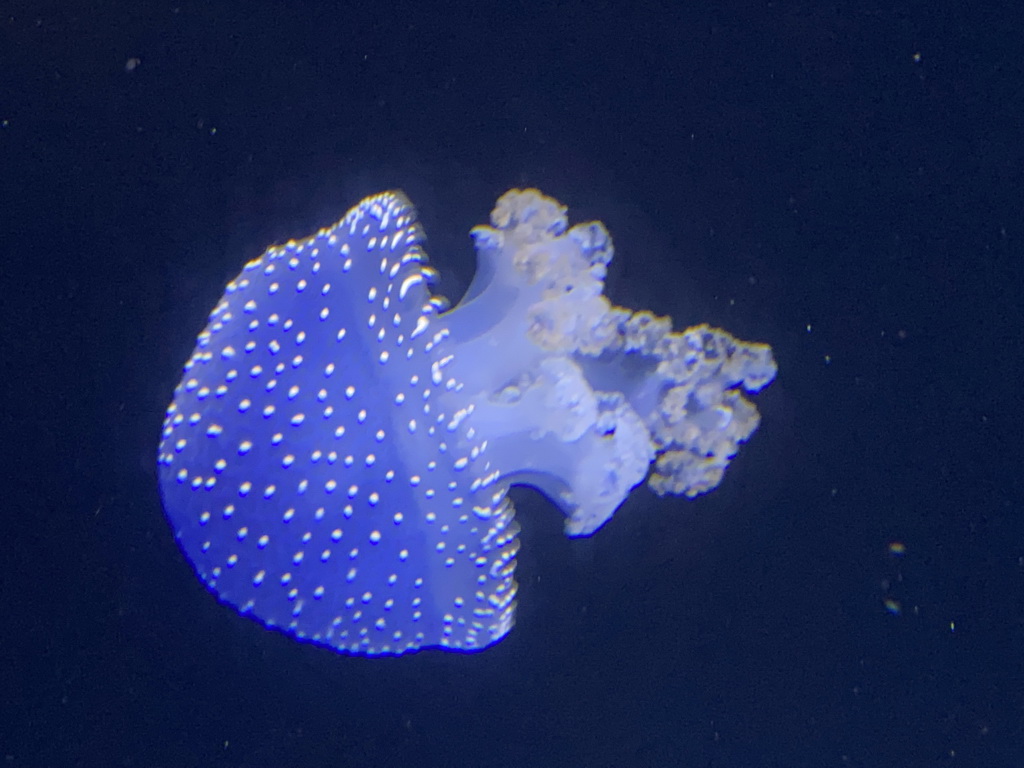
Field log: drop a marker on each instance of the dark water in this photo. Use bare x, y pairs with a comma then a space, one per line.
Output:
844, 184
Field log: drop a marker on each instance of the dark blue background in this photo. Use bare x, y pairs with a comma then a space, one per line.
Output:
843, 181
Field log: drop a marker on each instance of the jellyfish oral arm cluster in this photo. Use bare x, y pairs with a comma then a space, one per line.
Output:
580, 396
337, 457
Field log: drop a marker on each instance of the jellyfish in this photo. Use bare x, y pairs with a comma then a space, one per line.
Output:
337, 457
